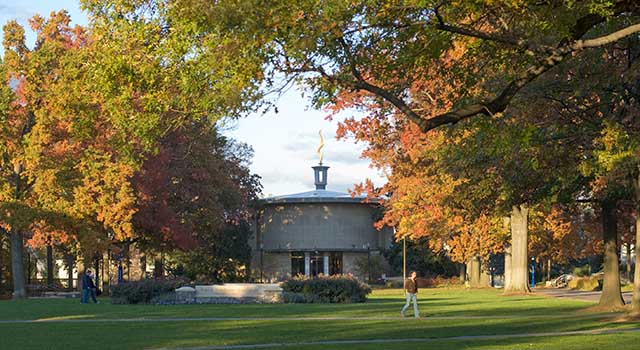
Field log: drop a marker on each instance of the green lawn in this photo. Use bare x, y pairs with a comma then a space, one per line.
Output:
449, 313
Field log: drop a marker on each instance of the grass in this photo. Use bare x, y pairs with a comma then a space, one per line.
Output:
450, 313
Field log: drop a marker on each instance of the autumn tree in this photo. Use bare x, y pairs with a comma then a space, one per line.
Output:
35, 165
194, 198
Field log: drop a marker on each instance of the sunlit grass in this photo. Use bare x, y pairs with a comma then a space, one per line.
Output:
450, 313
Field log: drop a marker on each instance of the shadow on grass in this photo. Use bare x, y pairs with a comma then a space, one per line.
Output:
117, 335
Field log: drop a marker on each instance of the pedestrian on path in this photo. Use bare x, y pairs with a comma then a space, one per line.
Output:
88, 288
411, 290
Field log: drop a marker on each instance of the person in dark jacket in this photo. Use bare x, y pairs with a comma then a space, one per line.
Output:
411, 289
88, 288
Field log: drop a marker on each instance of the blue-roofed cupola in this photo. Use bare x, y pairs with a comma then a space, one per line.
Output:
320, 174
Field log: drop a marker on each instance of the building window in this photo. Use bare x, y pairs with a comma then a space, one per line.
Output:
316, 264
335, 263
297, 263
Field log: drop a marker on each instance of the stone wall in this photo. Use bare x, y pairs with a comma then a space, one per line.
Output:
321, 226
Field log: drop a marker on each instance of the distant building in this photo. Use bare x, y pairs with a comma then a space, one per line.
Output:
315, 232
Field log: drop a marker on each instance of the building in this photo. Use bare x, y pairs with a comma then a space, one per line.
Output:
316, 232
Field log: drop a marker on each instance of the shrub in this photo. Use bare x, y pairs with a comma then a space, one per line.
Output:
332, 289
142, 292
582, 271
438, 282
584, 283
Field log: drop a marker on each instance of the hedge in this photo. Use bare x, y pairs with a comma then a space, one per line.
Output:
143, 291
325, 289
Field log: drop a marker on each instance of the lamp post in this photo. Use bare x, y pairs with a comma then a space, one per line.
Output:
404, 260
369, 261
261, 262
533, 272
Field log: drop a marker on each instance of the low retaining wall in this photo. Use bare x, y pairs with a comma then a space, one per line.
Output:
230, 293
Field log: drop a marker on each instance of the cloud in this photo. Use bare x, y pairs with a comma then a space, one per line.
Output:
301, 146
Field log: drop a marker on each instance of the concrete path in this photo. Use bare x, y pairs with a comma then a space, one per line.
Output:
578, 295
410, 340
72, 319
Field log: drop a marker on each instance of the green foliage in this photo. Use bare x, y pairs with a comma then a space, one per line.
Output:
223, 256
373, 266
420, 258
325, 289
143, 291
582, 271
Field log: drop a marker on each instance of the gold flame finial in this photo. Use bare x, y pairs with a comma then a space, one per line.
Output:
320, 154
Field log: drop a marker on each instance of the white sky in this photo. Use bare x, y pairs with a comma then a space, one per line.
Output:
285, 143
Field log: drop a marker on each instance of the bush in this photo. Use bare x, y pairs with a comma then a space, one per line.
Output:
582, 271
332, 289
584, 283
143, 292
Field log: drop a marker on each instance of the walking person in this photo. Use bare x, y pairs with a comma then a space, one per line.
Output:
94, 287
86, 287
411, 290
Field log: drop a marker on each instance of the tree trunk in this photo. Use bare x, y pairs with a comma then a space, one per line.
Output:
519, 245
485, 276
549, 269
70, 264
635, 299
507, 266
2, 233
97, 272
611, 294
474, 273
158, 271
50, 266
628, 262
81, 271
462, 272
17, 265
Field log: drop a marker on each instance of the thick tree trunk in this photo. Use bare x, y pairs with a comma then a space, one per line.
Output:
507, 267
519, 245
462, 272
485, 276
70, 264
50, 271
611, 294
81, 271
474, 273
158, 271
17, 265
635, 299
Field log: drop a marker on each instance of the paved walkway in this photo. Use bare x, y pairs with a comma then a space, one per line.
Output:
578, 295
410, 340
72, 319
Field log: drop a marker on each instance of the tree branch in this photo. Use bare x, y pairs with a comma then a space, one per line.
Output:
500, 103
529, 47
607, 39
